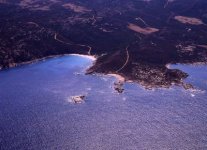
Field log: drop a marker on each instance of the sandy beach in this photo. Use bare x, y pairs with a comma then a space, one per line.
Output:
92, 57
118, 77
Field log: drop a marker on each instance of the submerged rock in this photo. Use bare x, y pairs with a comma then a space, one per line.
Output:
187, 86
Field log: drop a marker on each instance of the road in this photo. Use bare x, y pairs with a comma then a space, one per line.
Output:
127, 60
81, 45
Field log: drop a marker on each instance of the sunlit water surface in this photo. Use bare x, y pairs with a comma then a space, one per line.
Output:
36, 112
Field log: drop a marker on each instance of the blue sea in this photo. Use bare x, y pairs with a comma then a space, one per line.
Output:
36, 111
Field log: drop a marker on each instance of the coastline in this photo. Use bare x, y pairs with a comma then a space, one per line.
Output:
93, 58
168, 66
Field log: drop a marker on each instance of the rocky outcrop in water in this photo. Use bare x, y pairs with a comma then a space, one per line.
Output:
78, 99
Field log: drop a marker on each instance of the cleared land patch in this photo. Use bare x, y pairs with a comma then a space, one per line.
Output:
189, 20
145, 31
76, 8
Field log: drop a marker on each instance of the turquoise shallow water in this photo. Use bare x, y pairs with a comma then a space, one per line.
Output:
35, 112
